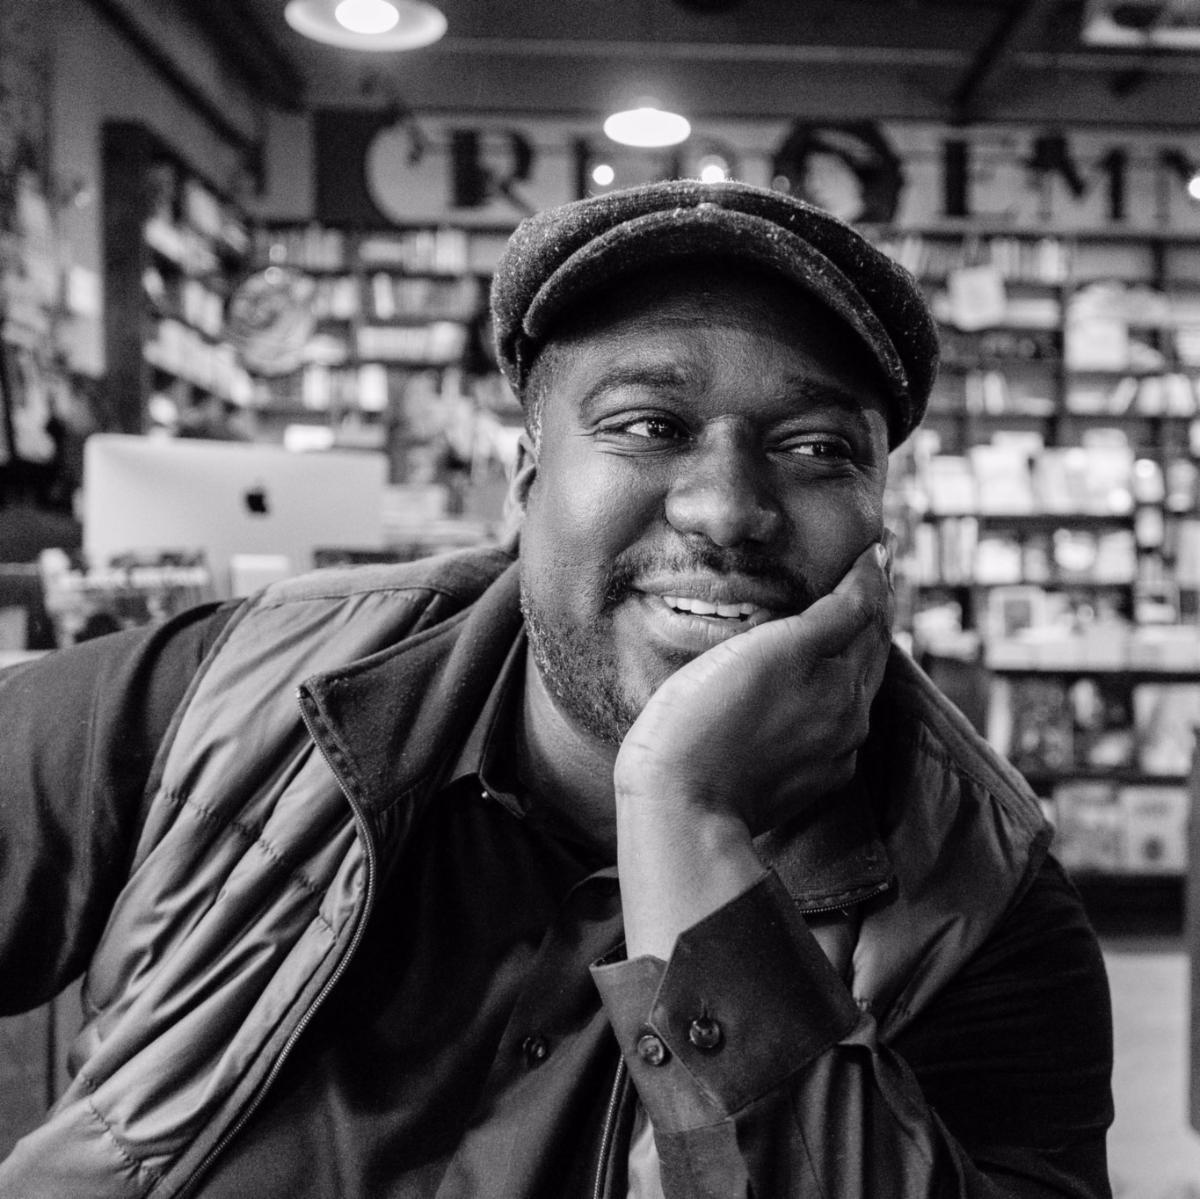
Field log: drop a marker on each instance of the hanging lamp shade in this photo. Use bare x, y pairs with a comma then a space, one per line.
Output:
367, 24
647, 125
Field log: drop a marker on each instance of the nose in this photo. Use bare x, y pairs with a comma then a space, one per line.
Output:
722, 491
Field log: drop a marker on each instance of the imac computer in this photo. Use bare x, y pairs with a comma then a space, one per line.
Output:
255, 510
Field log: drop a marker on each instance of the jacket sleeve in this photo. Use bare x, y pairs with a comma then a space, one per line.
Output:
770, 1082
79, 730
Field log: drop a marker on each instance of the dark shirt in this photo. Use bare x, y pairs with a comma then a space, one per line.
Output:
466, 1050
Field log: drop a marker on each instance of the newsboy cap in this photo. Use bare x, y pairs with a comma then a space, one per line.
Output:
560, 255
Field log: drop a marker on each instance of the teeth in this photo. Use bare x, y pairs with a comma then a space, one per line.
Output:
735, 610
699, 607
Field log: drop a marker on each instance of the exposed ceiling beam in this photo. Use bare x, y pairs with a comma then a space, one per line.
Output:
987, 57
250, 49
177, 80
1153, 62
920, 56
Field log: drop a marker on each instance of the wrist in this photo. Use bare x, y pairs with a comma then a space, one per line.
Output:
677, 865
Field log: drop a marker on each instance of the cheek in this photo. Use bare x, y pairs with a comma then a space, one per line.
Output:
582, 511
834, 528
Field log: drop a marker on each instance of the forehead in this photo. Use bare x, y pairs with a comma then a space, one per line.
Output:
698, 306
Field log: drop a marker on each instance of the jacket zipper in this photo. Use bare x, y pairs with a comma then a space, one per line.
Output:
852, 903
608, 1132
332, 981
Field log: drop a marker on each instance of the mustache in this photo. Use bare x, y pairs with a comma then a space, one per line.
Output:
797, 589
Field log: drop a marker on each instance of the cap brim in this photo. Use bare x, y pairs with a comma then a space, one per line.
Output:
709, 232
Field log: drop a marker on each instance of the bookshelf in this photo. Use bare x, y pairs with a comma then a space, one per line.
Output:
400, 355
1049, 513
174, 248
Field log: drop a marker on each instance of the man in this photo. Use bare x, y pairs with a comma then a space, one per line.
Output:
638, 865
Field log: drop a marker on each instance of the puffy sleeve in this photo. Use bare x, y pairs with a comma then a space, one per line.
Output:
79, 731
761, 1077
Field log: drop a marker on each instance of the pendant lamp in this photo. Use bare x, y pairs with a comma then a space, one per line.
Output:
367, 24
647, 125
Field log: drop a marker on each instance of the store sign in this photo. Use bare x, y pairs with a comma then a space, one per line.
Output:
375, 170
851, 170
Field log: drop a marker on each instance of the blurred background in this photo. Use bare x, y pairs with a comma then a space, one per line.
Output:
245, 247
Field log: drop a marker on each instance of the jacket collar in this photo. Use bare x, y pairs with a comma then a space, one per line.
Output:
394, 720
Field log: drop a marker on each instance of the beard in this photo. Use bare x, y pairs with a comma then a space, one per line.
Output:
578, 661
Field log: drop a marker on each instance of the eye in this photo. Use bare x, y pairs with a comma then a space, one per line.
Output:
827, 448
653, 428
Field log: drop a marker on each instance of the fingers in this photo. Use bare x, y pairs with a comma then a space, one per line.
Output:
861, 599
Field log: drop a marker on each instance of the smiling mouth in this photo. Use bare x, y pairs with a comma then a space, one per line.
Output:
698, 607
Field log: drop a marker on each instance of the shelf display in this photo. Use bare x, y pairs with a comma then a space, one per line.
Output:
399, 357
1126, 830
173, 249
1050, 521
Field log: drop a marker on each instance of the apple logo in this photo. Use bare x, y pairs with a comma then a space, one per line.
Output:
255, 500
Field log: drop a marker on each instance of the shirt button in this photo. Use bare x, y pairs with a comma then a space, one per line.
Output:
536, 1050
651, 1049
705, 1033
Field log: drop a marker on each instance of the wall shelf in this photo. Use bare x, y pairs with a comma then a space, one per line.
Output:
163, 221
1067, 559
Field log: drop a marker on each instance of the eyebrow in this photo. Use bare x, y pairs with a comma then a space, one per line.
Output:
662, 376
824, 395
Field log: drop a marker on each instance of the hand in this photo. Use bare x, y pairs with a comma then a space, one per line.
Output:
770, 720
735, 742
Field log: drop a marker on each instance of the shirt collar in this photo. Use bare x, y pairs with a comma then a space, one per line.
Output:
486, 756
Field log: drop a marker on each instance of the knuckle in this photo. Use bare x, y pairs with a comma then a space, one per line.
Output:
862, 608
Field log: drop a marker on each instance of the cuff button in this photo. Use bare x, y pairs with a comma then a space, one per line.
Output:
705, 1033
651, 1050
535, 1050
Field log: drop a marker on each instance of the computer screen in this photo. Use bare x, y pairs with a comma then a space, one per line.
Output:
146, 495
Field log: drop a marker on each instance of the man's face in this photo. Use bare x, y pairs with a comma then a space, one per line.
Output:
712, 455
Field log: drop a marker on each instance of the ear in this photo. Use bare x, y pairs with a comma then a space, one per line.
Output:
523, 475
517, 496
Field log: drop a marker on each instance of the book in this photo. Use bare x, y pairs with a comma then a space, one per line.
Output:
1089, 826
1104, 725
1166, 716
1155, 828
1041, 726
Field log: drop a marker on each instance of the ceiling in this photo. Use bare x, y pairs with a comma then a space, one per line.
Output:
956, 61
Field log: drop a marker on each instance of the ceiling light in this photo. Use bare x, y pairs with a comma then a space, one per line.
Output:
713, 169
647, 126
367, 24
603, 174
366, 16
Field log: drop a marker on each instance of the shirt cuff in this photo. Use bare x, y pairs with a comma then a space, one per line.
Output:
747, 999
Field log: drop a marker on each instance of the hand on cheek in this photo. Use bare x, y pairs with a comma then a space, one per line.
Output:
737, 741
